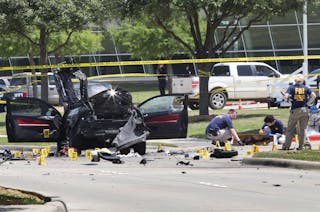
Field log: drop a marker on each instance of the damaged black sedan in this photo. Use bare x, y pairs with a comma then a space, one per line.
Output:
105, 119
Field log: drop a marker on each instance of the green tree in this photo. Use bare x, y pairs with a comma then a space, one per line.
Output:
144, 40
12, 45
48, 17
80, 43
203, 19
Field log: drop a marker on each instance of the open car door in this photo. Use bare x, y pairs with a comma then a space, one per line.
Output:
166, 116
30, 119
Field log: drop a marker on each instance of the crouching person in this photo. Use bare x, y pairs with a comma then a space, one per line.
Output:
273, 128
221, 128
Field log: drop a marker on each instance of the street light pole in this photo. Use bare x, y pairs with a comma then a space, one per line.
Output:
305, 40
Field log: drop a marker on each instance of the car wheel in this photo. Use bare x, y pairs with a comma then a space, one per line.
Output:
140, 148
194, 105
217, 100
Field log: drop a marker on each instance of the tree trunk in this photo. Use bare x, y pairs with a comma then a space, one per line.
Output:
204, 96
204, 69
44, 61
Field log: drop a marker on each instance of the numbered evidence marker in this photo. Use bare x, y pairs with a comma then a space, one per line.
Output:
46, 133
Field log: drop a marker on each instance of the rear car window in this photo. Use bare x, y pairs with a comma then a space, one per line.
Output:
265, 71
29, 107
22, 80
220, 71
18, 81
162, 104
245, 70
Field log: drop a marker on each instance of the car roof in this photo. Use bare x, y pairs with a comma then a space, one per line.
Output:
242, 63
29, 73
316, 71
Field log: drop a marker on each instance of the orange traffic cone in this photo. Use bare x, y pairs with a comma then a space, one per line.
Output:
240, 106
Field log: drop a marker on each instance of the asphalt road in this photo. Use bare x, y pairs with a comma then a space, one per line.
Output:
163, 184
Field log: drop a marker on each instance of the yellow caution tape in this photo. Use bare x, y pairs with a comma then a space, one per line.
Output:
151, 62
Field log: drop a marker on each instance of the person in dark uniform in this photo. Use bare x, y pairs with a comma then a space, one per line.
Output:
162, 78
301, 97
272, 127
221, 128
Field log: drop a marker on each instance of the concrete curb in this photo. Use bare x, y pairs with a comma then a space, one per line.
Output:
282, 163
48, 207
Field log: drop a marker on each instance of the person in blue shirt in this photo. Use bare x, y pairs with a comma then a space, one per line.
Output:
272, 127
221, 128
301, 97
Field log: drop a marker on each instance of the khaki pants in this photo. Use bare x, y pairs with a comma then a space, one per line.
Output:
223, 135
297, 123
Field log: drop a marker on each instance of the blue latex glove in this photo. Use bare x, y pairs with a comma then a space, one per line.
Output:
269, 135
278, 135
278, 101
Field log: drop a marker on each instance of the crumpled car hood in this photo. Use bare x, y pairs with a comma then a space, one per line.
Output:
112, 103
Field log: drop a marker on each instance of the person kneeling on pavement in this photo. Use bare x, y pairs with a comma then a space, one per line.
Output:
273, 128
221, 129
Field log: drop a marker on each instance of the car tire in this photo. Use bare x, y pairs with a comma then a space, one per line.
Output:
217, 100
194, 105
220, 153
140, 148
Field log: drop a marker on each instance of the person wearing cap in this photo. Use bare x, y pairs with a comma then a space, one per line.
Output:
221, 128
301, 97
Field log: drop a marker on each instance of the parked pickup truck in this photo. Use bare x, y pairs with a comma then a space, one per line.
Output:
23, 81
241, 80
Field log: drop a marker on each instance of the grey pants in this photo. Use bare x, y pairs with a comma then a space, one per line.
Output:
297, 123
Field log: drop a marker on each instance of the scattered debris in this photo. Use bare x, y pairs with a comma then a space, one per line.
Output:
184, 163
181, 152
113, 157
6, 155
196, 157
143, 161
